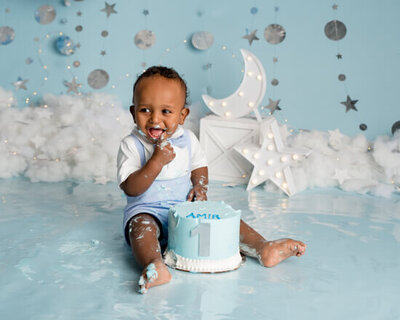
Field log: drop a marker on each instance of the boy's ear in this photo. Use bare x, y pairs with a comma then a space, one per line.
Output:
132, 110
184, 113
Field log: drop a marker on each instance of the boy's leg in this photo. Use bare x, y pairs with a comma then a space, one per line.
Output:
143, 235
269, 253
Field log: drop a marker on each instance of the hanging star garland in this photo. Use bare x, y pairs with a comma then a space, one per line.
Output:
20, 84
272, 160
109, 9
350, 104
251, 37
72, 86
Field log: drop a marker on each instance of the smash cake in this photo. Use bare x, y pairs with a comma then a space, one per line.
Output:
203, 236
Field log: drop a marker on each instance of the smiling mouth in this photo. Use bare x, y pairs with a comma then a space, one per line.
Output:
155, 133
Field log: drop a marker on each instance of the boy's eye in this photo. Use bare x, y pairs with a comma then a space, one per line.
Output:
144, 110
166, 111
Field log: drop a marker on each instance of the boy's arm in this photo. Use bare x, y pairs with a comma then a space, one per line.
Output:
199, 178
140, 180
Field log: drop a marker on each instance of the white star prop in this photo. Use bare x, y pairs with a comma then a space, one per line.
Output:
341, 175
272, 160
72, 86
20, 84
109, 9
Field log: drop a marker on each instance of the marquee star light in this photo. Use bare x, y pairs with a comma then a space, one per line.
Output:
272, 161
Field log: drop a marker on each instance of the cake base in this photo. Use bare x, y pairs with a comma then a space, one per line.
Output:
176, 261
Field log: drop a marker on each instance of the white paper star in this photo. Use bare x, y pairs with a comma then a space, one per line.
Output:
72, 86
38, 141
251, 37
101, 180
341, 175
44, 114
20, 84
335, 136
272, 160
109, 9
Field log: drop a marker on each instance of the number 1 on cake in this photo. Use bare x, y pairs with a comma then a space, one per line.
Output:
203, 230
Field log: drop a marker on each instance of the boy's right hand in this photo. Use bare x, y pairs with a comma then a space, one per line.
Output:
163, 152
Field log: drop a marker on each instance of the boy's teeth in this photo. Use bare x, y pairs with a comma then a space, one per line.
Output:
155, 133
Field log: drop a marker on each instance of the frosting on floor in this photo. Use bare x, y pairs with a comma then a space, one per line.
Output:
62, 256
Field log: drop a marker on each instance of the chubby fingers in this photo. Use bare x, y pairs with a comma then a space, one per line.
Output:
190, 196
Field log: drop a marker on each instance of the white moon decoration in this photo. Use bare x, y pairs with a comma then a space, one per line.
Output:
249, 94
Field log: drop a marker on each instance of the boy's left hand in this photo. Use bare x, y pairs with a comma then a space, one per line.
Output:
198, 193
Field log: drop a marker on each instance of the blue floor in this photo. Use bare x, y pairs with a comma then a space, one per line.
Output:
62, 256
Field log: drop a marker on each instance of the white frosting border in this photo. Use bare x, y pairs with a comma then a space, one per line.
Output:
176, 261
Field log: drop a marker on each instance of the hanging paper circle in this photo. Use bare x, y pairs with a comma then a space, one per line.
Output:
145, 39
104, 33
7, 35
45, 14
253, 10
335, 30
274, 33
76, 63
395, 127
274, 82
98, 79
341, 77
78, 28
65, 45
202, 40
363, 127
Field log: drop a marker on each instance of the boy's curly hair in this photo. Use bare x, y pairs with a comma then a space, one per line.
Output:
165, 72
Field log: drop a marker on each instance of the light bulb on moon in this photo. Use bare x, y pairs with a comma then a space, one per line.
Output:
253, 86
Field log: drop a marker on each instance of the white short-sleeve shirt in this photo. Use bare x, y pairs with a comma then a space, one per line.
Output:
128, 160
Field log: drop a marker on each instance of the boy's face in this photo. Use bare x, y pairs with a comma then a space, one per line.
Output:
159, 106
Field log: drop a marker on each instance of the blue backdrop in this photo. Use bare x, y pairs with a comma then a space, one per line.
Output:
306, 63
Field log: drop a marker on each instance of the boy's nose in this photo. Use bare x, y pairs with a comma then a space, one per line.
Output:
155, 117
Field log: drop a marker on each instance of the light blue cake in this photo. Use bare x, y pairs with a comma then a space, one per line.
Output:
203, 236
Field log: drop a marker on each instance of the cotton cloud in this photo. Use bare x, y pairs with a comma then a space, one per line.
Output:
77, 137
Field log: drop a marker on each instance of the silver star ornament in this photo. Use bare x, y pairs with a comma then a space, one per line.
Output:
273, 105
350, 104
72, 86
109, 9
20, 84
251, 37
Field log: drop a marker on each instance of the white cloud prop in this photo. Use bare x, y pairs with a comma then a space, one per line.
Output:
77, 137
68, 137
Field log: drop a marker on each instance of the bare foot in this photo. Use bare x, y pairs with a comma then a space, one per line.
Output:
273, 252
155, 274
